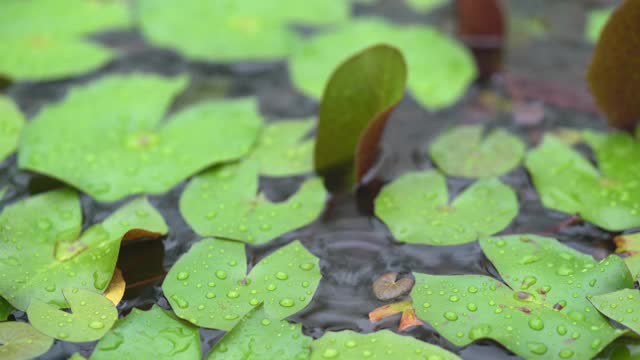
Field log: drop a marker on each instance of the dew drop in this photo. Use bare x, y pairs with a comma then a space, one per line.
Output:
221, 274
536, 324
286, 302
96, 325
182, 275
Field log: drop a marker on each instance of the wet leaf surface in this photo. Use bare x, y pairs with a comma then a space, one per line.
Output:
11, 122
123, 146
622, 306
152, 334
416, 209
209, 285
92, 315
20, 341
225, 202
542, 312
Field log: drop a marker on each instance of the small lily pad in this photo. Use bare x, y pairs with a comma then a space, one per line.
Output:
378, 345
43, 251
258, 336
622, 306
465, 151
439, 72
568, 182
11, 122
20, 341
541, 312
225, 202
154, 334
5, 309
209, 285
416, 209
92, 315
122, 145
596, 19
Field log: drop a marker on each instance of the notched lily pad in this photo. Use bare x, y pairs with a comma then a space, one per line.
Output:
11, 122
416, 209
541, 312
20, 341
380, 344
92, 315
152, 334
43, 252
387, 286
225, 202
622, 306
466, 151
209, 285
568, 182
123, 146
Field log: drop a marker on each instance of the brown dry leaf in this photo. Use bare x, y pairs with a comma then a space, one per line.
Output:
408, 318
385, 287
115, 291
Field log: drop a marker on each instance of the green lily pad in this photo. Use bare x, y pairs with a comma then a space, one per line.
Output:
416, 209
425, 6
283, 150
209, 285
439, 72
622, 306
465, 151
225, 202
258, 336
378, 345
122, 146
43, 251
541, 312
568, 182
20, 341
5, 309
154, 334
11, 122
596, 19
92, 315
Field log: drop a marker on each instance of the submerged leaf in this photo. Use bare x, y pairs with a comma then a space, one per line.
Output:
542, 312
20, 341
416, 209
111, 142
42, 251
11, 122
154, 334
225, 202
622, 306
209, 285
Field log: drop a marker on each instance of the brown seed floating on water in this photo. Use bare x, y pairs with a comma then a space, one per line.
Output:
386, 287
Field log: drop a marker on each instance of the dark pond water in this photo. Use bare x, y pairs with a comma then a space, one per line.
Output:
545, 67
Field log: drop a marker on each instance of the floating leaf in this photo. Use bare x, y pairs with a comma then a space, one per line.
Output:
542, 312
92, 315
416, 209
5, 309
352, 345
615, 62
622, 306
282, 149
107, 140
258, 336
407, 320
225, 202
154, 334
569, 183
596, 19
20, 341
11, 122
439, 69
425, 6
465, 151
43, 251
115, 291
209, 285
387, 286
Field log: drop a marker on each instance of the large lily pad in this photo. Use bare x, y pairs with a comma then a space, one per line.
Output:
258, 336
378, 345
465, 151
43, 251
20, 341
439, 68
92, 315
11, 122
622, 306
209, 285
109, 141
568, 182
541, 312
225, 202
154, 334
416, 209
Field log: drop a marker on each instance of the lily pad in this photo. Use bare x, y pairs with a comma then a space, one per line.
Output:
43, 251
622, 306
154, 334
466, 151
107, 140
5, 309
11, 122
92, 315
20, 341
439, 72
568, 182
416, 209
258, 336
425, 6
378, 345
209, 285
225, 202
596, 19
541, 312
